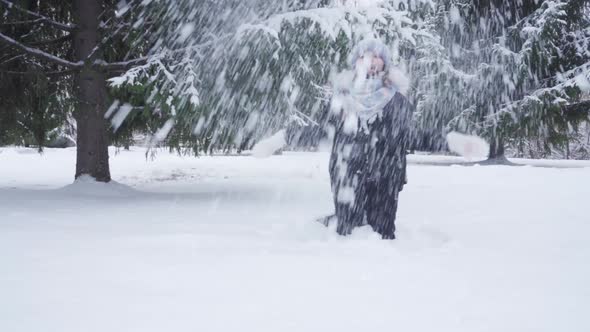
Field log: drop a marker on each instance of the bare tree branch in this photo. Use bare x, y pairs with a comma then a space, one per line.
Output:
11, 59
95, 52
22, 22
41, 18
45, 73
38, 53
51, 41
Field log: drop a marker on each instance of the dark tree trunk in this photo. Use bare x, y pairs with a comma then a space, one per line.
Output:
496, 149
38, 122
91, 94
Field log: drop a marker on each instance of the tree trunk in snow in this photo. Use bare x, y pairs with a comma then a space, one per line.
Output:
496, 149
91, 94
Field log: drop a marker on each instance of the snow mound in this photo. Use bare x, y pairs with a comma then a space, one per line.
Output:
270, 145
235, 236
468, 146
86, 185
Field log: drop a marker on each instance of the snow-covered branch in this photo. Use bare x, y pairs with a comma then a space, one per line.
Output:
121, 65
37, 52
27, 22
98, 64
52, 41
44, 73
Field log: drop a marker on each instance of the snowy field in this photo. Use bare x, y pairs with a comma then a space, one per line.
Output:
230, 244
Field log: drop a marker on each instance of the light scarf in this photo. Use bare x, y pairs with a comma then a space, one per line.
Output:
370, 97
362, 99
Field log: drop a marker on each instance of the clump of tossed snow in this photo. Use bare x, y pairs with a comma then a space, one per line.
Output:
468, 146
270, 145
399, 79
346, 195
199, 126
114, 106
121, 115
583, 83
185, 32
163, 132
121, 112
455, 15
351, 121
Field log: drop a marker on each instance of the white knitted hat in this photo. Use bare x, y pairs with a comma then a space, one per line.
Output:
373, 45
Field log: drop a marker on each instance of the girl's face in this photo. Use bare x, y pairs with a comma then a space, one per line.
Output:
370, 63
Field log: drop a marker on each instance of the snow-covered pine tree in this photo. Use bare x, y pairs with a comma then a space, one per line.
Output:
34, 102
555, 43
530, 59
231, 84
440, 87
51, 39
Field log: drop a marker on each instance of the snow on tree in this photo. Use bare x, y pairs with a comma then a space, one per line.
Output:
222, 74
228, 85
32, 96
531, 63
438, 84
71, 40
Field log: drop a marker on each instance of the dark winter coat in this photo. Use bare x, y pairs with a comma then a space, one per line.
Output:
368, 169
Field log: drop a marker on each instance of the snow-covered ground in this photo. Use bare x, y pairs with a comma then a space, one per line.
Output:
230, 244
